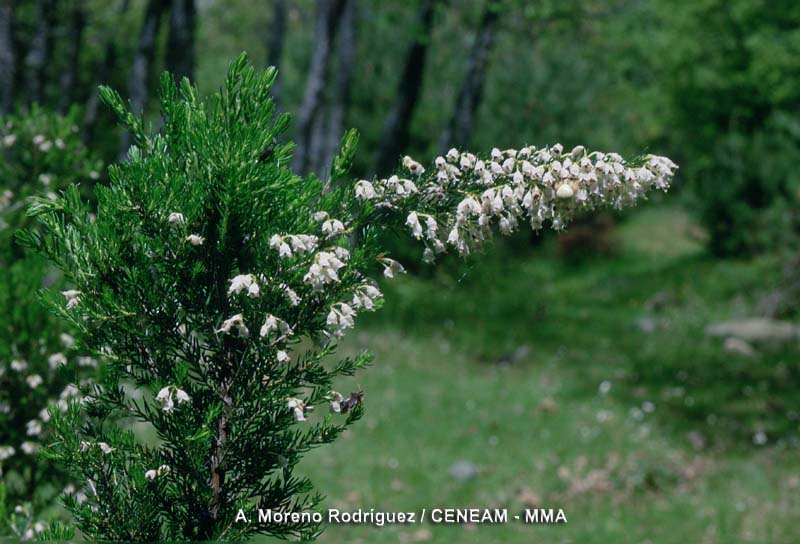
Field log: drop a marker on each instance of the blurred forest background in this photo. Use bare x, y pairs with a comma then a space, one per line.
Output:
712, 84
640, 371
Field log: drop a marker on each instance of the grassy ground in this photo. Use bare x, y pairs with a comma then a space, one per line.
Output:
502, 367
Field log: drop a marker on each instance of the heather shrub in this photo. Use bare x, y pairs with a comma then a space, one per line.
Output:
216, 284
42, 154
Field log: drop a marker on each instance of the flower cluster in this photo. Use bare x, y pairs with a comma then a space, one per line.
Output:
235, 324
336, 399
293, 243
171, 395
31, 388
330, 227
298, 408
390, 267
102, 446
22, 522
43, 143
291, 294
176, 218
341, 318
467, 196
322, 262
6, 452
244, 282
365, 297
325, 268
195, 239
73, 298
18, 371
274, 324
154, 473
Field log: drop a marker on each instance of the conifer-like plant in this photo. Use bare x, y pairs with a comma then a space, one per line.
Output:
41, 153
216, 283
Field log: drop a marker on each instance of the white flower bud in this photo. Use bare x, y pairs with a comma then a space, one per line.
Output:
413, 222
73, 298
6, 452
176, 218
336, 400
365, 190
236, 322
163, 394
564, 191
297, 406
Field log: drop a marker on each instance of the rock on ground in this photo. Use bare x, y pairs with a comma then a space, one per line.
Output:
463, 471
738, 346
757, 329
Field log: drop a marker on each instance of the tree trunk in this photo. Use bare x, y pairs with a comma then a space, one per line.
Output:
180, 42
328, 16
41, 52
395, 131
103, 77
69, 77
275, 43
316, 144
459, 129
104, 72
347, 51
6, 56
139, 84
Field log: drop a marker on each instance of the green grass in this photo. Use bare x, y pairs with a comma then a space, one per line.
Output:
445, 387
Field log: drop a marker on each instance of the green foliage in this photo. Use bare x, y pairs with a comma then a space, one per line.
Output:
205, 209
155, 305
730, 94
202, 235
42, 154
4, 517
56, 531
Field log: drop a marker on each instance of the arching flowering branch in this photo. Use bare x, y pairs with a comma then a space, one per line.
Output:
460, 200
